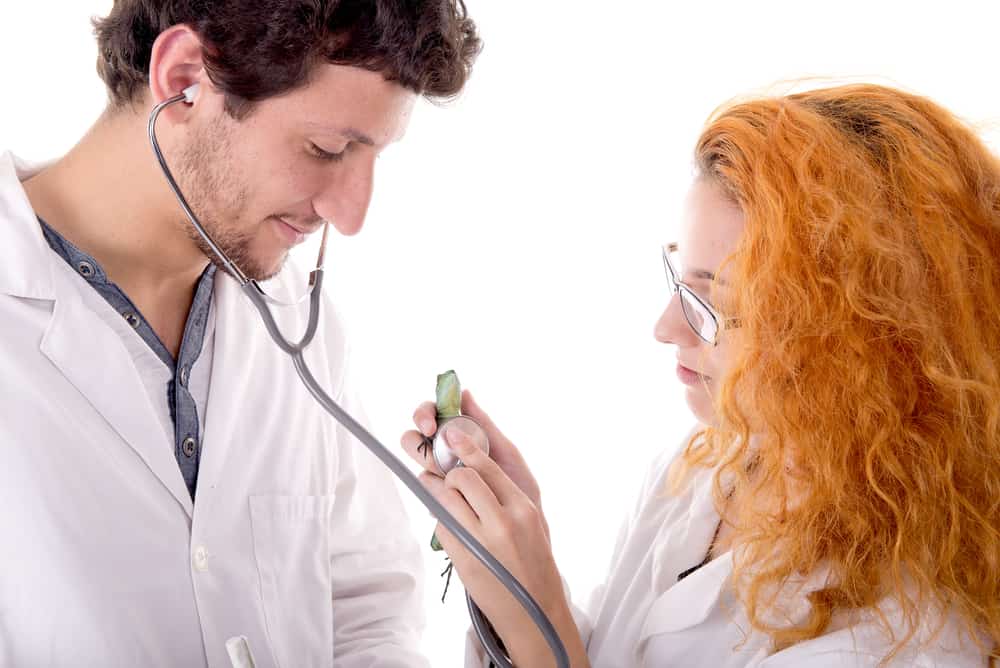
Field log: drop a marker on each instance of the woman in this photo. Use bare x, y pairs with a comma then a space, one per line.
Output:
836, 314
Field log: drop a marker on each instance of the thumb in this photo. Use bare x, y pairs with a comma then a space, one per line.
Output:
497, 439
502, 451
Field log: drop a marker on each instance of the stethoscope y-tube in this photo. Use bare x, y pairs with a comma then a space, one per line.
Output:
295, 350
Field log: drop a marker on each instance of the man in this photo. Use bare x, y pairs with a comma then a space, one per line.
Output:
167, 482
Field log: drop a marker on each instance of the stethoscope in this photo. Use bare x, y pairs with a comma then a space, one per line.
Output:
442, 454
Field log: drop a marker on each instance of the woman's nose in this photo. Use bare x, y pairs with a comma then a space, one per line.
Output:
672, 326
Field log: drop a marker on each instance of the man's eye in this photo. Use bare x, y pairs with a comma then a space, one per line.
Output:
326, 156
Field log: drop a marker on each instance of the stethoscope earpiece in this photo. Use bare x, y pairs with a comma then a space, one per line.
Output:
189, 93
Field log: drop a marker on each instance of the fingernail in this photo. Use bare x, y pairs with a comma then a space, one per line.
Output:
458, 442
426, 426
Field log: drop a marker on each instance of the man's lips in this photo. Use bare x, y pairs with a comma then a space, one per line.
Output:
300, 228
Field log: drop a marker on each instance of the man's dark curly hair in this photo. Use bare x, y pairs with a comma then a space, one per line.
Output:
256, 49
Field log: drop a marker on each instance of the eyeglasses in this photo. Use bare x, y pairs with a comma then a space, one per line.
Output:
703, 319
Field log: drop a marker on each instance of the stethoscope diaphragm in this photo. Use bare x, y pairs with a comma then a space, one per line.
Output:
444, 457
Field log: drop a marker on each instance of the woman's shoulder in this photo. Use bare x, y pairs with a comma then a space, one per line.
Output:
866, 643
667, 463
660, 500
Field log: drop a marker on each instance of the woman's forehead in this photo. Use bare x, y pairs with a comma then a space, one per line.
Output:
711, 227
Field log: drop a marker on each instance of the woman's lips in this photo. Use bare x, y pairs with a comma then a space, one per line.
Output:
690, 376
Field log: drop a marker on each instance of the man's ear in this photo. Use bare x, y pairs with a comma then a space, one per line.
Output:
175, 64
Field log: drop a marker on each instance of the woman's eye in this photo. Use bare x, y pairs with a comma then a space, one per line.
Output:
326, 156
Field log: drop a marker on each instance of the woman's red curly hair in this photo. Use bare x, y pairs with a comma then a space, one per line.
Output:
868, 294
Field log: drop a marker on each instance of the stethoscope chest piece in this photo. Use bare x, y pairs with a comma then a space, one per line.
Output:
444, 457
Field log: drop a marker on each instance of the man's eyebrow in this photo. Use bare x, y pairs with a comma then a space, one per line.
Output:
349, 133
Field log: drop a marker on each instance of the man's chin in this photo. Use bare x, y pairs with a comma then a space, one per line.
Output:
257, 269
267, 271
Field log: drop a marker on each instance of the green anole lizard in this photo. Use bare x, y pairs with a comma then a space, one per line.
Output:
449, 405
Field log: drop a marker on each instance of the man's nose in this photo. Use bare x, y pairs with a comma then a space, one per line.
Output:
345, 199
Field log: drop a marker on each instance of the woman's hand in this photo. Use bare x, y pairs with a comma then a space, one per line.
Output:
502, 451
499, 505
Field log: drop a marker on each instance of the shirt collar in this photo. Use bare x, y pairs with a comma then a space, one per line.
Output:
82, 263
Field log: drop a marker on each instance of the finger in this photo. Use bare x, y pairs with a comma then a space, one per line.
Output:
425, 417
452, 500
420, 449
460, 555
432, 483
449, 543
475, 411
501, 448
477, 493
505, 489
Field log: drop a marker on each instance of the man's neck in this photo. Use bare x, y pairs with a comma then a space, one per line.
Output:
108, 198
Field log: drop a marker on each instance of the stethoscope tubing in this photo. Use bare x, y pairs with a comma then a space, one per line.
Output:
296, 351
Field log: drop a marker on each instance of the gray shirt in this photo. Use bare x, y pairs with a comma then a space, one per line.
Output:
181, 405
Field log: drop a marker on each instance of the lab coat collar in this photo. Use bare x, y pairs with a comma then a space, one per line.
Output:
690, 601
88, 353
27, 264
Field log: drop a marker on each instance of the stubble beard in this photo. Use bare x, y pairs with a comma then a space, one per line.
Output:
213, 185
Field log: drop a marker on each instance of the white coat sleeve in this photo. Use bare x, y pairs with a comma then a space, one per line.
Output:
375, 565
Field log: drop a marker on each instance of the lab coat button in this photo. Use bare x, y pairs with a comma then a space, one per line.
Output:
189, 446
201, 559
86, 269
131, 318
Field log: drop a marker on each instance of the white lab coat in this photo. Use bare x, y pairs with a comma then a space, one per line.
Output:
298, 539
642, 617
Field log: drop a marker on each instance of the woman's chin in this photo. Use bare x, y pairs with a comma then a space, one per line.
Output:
700, 403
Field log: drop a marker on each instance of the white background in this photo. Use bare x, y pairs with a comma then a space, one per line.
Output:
514, 235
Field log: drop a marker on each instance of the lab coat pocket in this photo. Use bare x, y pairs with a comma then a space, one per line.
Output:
291, 547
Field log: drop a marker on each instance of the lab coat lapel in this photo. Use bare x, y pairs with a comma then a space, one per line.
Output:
100, 367
687, 602
690, 601
86, 351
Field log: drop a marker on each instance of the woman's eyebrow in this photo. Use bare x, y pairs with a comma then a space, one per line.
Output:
701, 274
